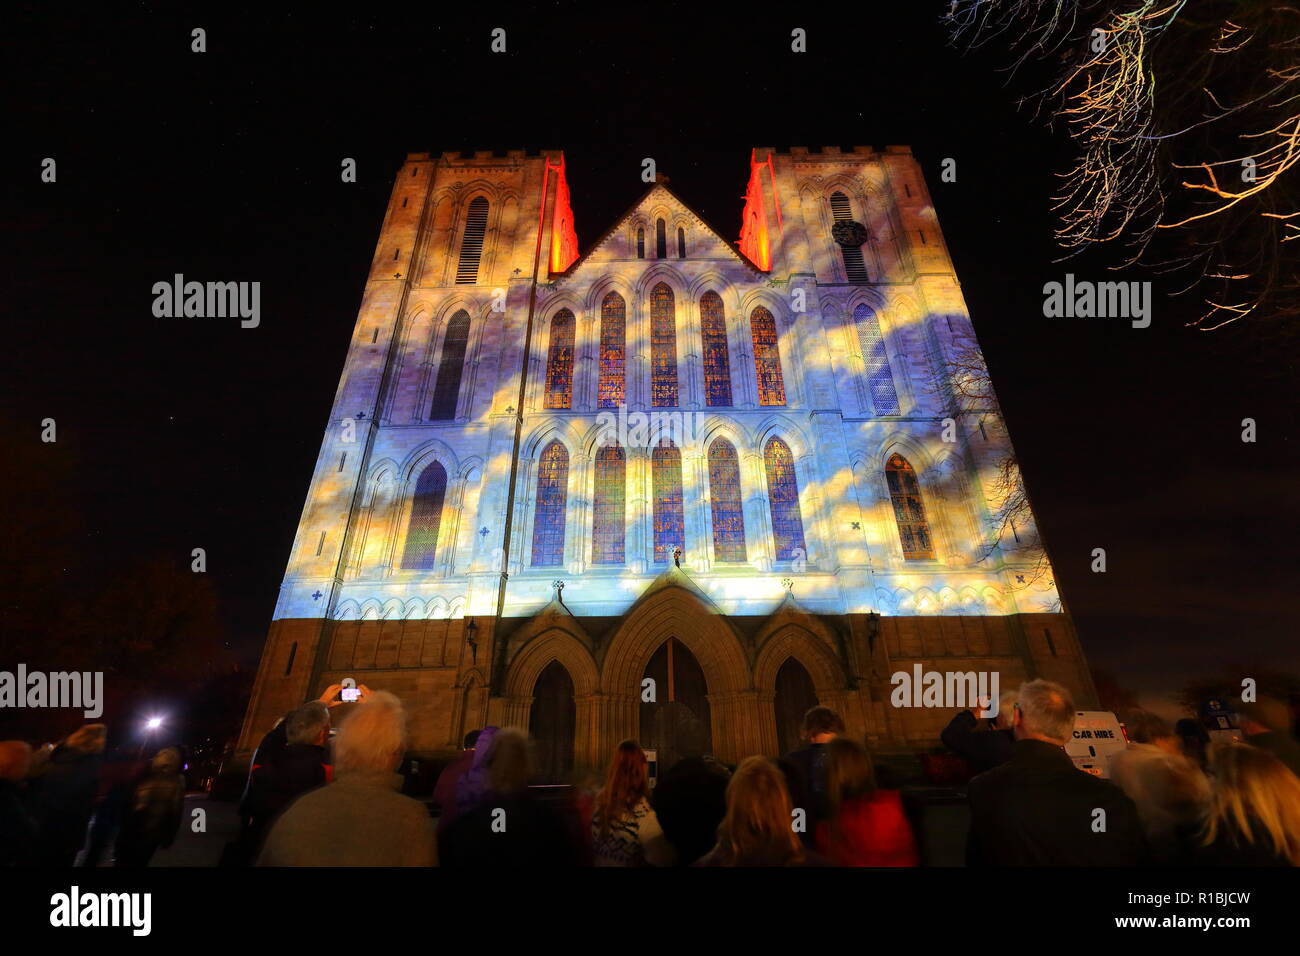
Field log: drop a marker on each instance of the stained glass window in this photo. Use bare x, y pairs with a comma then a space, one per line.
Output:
767, 358
909, 512
783, 495
471, 241
669, 515
855, 267
681, 243
717, 360
613, 352
552, 497
725, 500
559, 363
426, 514
608, 508
880, 377
446, 391
640, 243
663, 347
661, 240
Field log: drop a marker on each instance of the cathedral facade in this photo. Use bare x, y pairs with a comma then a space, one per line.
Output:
671, 486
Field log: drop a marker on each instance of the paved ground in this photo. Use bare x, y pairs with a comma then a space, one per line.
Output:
206, 827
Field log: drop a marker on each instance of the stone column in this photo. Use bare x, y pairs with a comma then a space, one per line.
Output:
758, 529
637, 477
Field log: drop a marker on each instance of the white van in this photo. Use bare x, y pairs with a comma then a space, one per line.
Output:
1097, 736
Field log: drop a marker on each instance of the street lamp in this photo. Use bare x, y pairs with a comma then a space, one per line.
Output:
152, 724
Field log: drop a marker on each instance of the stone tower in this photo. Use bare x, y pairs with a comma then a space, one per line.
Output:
737, 473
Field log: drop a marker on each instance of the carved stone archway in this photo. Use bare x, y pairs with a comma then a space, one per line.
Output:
676, 611
554, 644
819, 660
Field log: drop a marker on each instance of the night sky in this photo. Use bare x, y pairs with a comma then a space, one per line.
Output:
184, 433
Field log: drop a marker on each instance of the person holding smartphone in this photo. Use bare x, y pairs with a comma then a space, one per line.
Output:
984, 742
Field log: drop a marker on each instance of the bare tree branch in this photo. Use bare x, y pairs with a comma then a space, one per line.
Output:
1186, 123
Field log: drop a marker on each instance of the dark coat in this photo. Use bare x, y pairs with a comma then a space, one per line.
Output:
63, 798
272, 745
982, 749
1037, 809
690, 801
295, 770
809, 789
152, 819
1230, 848
535, 835
17, 828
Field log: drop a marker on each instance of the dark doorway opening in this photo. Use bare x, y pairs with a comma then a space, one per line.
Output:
676, 723
552, 721
795, 695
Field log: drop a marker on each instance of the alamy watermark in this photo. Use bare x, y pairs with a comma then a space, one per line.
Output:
74, 908
80, 689
1085, 300
208, 300
636, 429
947, 689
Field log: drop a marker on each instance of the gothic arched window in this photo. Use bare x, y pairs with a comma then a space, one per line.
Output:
669, 515
663, 347
661, 240
717, 358
783, 497
681, 243
446, 391
426, 514
767, 358
909, 512
855, 267
552, 498
640, 243
611, 392
559, 362
880, 377
471, 241
725, 502
608, 510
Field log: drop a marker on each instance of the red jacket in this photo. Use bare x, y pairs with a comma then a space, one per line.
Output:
873, 831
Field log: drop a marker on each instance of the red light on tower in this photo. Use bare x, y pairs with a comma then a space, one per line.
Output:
754, 241
564, 239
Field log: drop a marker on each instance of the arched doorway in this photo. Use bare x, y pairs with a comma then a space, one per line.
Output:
795, 694
552, 720
676, 723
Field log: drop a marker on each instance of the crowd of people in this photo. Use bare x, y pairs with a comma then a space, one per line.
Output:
64, 805
320, 796
1172, 799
